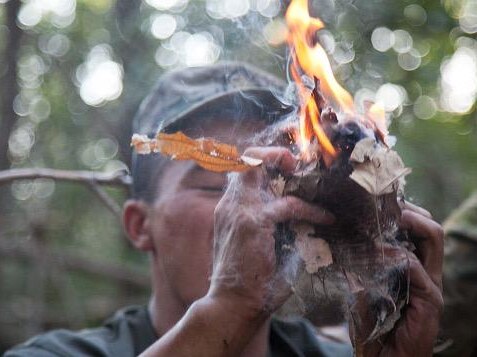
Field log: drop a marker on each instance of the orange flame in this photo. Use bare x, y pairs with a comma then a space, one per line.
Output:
311, 59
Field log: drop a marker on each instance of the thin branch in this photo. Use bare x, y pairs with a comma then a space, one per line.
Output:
119, 178
106, 199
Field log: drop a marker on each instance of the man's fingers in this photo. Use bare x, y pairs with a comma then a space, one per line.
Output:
429, 239
274, 158
292, 208
422, 285
412, 207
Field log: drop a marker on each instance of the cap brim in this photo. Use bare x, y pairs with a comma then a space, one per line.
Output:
258, 97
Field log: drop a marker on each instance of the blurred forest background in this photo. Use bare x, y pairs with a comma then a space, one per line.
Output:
72, 73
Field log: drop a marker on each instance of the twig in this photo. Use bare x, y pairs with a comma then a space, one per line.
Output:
106, 199
118, 178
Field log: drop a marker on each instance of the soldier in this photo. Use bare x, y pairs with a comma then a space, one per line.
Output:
460, 281
207, 302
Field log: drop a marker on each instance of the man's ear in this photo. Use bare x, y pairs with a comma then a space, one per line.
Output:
135, 222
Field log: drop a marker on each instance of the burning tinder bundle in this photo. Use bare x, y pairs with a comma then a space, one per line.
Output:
349, 261
347, 167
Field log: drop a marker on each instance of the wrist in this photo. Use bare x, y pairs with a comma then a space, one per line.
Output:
246, 310
228, 323
238, 311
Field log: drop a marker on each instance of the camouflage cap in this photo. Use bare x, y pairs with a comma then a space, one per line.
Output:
225, 90
181, 92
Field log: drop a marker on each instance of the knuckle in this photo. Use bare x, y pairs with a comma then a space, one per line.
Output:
428, 214
437, 233
440, 303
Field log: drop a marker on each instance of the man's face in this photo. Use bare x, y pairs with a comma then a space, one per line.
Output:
181, 221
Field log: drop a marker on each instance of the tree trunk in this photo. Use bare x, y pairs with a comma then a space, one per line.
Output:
9, 82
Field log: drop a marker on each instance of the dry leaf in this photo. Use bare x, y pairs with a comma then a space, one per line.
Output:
278, 186
304, 183
141, 143
376, 169
207, 153
354, 282
315, 252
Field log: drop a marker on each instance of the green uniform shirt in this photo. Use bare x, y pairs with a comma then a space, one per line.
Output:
130, 332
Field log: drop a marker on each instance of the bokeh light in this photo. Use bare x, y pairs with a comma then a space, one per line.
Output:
275, 32
21, 141
402, 41
163, 26
267, 8
415, 14
425, 107
39, 108
468, 17
382, 39
186, 49
56, 45
343, 52
100, 78
30, 71
459, 81
43, 188
221, 9
174, 5
97, 154
61, 13
390, 96
22, 190
409, 61
200, 49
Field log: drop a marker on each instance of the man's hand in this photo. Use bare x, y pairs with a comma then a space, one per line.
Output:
246, 283
416, 331
245, 271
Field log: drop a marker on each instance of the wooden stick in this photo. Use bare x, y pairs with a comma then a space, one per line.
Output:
118, 178
106, 199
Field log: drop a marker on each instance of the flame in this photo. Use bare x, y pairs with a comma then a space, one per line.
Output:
311, 59
377, 117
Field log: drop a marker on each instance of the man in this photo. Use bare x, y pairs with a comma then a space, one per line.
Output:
215, 283
460, 281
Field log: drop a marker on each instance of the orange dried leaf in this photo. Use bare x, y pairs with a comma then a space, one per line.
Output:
207, 153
